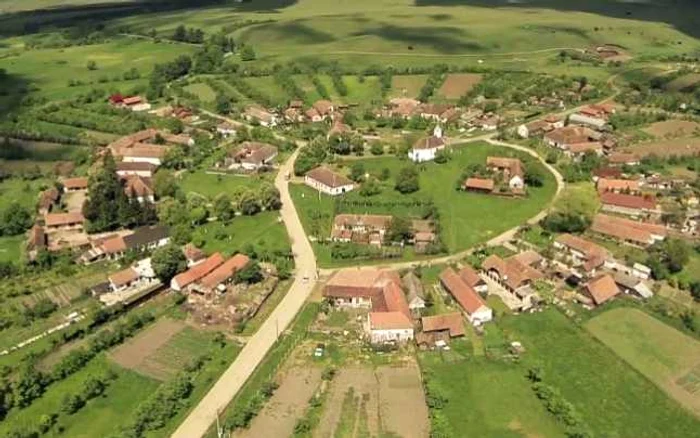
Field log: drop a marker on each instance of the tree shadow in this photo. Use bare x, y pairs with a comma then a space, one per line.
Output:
34, 21
441, 39
298, 32
13, 90
683, 15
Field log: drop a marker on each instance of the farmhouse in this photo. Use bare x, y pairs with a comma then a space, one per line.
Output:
360, 228
540, 127
193, 255
123, 279
511, 169
513, 273
433, 111
426, 149
632, 285
338, 128
114, 247
414, 292
64, 221
134, 103
623, 159
564, 138
577, 150
582, 253
139, 188
601, 289
47, 199
584, 119
473, 280
617, 185
482, 185
255, 113
442, 327
36, 241
326, 181
74, 184
476, 310
141, 169
183, 280
629, 205
226, 129
251, 156
216, 280
402, 107
628, 231
378, 290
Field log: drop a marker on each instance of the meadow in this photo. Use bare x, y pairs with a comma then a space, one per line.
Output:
612, 398
666, 356
210, 185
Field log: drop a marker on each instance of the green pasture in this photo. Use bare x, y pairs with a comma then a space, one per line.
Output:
202, 91
210, 185
487, 399
666, 356
11, 248
611, 396
263, 231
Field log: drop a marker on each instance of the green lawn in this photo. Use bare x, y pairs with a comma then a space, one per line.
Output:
661, 353
11, 248
612, 398
488, 399
100, 415
466, 219
202, 91
264, 231
691, 271
24, 192
211, 185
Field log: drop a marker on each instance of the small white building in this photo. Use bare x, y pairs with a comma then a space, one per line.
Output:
226, 129
326, 181
641, 271
387, 327
584, 120
426, 149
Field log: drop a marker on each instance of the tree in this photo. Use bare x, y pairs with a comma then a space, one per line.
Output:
93, 387
357, 172
376, 148
15, 220
223, 104
270, 197
180, 33
223, 209
72, 403
250, 274
168, 261
91, 65
248, 53
370, 188
164, 183
399, 230
407, 180
565, 222
249, 204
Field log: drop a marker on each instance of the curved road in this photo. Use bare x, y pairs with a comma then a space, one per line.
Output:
204, 414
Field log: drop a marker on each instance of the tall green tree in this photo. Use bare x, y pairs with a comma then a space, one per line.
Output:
167, 261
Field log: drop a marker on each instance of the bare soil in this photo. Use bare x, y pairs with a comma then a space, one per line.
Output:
456, 85
286, 406
364, 383
402, 402
407, 86
675, 128
74, 200
135, 353
664, 148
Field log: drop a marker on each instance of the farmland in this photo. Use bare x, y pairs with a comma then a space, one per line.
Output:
582, 369
665, 148
456, 85
667, 357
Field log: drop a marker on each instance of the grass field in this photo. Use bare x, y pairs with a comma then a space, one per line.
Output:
211, 185
264, 231
612, 398
202, 91
488, 399
11, 248
407, 86
664, 355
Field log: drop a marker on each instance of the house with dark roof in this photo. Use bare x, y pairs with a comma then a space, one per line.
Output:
36, 241
415, 294
326, 181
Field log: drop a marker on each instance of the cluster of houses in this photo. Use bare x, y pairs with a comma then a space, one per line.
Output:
505, 176
587, 130
133, 103
251, 156
371, 229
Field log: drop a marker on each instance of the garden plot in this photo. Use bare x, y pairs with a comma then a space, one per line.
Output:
388, 401
286, 406
407, 86
457, 85
139, 352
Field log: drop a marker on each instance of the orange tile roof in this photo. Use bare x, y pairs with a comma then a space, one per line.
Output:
225, 271
389, 321
114, 245
479, 184
328, 178
199, 271
382, 287
450, 321
628, 201
58, 219
515, 273
464, 294
75, 183
514, 165
470, 276
605, 185
140, 186
602, 288
626, 229
123, 277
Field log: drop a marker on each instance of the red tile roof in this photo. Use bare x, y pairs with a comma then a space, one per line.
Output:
513, 165
114, 245
79, 183
479, 184
59, 219
429, 143
628, 201
225, 271
609, 185
382, 287
138, 185
602, 288
122, 278
515, 273
464, 294
450, 321
389, 321
626, 229
197, 272
470, 276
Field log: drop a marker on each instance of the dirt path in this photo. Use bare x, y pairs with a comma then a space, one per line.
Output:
286, 406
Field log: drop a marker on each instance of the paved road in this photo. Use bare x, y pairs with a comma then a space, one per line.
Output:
230, 382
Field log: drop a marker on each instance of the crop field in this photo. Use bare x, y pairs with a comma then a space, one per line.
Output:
487, 399
666, 356
407, 86
673, 128
456, 85
664, 148
605, 390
